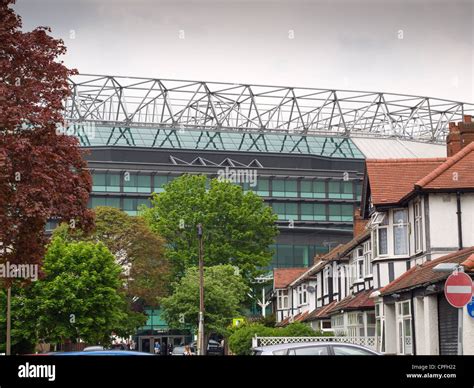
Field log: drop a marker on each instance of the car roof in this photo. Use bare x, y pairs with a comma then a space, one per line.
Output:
296, 345
104, 353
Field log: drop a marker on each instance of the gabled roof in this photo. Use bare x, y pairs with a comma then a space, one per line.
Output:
392, 179
455, 173
282, 277
359, 301
422, 275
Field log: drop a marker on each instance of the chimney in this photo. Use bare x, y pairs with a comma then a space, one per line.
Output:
460, 135
359, 223
453, 140
466, 131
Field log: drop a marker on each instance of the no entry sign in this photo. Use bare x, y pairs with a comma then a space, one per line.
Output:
458, 289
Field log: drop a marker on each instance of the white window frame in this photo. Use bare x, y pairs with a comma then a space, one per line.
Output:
359, 264
400, 224
380, 322
418, 226
282, 296
404, 341
367, 249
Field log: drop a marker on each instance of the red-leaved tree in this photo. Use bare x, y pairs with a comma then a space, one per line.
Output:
42, 173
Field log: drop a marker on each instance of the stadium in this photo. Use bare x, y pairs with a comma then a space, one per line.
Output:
305, 146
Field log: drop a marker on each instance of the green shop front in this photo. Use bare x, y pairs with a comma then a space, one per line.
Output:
157, 330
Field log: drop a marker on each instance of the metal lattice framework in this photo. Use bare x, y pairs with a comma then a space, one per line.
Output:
150, 102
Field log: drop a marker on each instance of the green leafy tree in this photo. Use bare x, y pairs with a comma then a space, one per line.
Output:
79, 296
138, 249
237, 227
224, 291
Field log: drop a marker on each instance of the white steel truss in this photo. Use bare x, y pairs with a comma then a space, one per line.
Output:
150, 102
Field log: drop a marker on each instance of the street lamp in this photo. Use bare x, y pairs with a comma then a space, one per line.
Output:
201, 350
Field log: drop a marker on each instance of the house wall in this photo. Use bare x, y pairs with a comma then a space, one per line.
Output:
444, 223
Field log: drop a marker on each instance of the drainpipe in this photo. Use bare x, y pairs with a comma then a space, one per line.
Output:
459, 214
413, 336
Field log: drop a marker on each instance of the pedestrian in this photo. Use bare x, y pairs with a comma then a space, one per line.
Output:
187, 351
157, 347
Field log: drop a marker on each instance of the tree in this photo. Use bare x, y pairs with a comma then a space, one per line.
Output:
224, 291
42, 173
79, 296
136, 248
238, 227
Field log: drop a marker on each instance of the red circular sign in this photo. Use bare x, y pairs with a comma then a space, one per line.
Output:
458, 289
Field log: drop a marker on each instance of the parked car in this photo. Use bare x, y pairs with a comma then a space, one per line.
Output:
179, 351
314, 349
213, 348
109, 352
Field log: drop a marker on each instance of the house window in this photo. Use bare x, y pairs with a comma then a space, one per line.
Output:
337, 323
418, 226
282, 299
304, 294
404, 327
355, 324
359, 261
379, 327
380, 234
368, 257
326, 280
400, 232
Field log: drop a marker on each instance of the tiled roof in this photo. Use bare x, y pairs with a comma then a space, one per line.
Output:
456, 172
423, 274
300, 317
359, 301
282, 277
469, 263
320, 313
392, 179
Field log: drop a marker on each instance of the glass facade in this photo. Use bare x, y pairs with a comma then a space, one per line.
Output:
289, 255
333, 147
292, 199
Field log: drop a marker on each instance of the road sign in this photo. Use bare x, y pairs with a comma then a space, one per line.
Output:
458, 289
470, 308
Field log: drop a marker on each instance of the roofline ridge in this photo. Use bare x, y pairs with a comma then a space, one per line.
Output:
446, 165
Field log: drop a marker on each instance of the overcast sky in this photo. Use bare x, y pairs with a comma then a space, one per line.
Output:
421, 47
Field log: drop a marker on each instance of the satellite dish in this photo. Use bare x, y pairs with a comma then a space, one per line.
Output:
310, 289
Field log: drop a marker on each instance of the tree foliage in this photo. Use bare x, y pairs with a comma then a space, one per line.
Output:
224, 291
78, 297
136, 248
237, 227
42, 173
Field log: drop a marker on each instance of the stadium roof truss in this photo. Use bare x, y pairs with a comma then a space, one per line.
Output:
130, 102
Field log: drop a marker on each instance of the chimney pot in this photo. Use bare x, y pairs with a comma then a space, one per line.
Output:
467, 119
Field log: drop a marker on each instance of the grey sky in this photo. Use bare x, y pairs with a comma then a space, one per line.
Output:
335, 44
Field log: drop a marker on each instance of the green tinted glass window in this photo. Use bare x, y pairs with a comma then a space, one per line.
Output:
263, 187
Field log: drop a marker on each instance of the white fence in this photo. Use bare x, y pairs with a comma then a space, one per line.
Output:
368, 342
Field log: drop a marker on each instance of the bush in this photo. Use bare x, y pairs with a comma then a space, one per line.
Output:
240, 341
